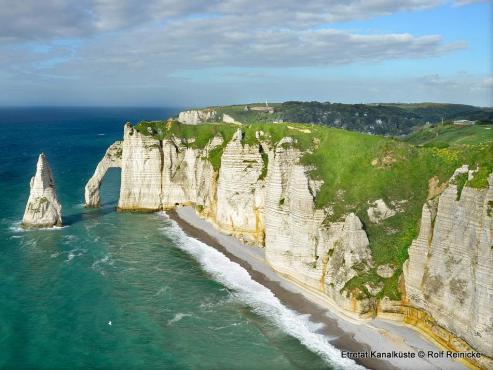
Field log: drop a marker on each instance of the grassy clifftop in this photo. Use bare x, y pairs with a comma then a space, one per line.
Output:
380, 119
452, 135
357, 170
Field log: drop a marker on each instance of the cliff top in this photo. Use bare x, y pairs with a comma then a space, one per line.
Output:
379, 119
356, 170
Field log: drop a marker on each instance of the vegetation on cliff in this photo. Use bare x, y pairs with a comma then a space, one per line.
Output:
358, 169
450, 135
379, 119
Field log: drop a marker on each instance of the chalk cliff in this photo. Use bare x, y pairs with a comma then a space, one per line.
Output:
262, 194
194, 117
43, 208
449, 272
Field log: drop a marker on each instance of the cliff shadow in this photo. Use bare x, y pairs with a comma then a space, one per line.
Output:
87, 214
109, 191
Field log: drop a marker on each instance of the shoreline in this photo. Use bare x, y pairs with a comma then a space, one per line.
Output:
349, 335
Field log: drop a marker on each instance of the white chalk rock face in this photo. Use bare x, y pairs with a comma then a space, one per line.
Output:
240, 190
379, 211
141, 164
187, 176
43, 208
112, 158
322, 257
194, 117
228, 119
450, 266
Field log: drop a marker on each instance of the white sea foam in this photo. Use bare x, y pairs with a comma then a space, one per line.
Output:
224, 327
98, 264
260, 299
178, 317
17, 228
162, 291
75, 253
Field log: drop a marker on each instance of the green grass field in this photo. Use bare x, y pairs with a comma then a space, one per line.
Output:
357, 169
450, 135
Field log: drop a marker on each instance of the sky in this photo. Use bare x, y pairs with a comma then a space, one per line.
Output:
198, 53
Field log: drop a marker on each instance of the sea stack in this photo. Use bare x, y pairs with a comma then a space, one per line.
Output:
43, 208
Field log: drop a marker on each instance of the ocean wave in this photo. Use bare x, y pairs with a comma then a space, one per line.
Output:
99, 264
70, 239
259, 298
209, 305
75, 253
162, 291
178, 317
17, 228
224, 327
104, 260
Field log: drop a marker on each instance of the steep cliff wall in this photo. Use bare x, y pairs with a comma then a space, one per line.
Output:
323, 257
142, 165
194, 117
240, 191
43, 208
263, 193
449, 272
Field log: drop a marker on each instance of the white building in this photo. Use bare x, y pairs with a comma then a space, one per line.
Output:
464, 122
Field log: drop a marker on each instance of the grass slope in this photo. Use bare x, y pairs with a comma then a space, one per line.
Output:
450, 135
379, 119
357, 169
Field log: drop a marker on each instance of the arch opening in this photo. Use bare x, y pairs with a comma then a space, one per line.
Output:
111, 159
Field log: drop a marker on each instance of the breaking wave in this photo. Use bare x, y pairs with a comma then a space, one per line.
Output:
16, 227
259, 298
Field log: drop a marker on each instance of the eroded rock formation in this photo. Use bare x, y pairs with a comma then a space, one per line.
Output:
112, 158
263, 195
449, 273
194, 117
43, 208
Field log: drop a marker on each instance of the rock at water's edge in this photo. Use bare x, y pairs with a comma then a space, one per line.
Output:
43, 208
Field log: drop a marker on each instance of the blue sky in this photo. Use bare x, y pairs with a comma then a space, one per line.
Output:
198, 53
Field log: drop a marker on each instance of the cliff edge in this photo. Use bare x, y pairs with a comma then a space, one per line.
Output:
338, 213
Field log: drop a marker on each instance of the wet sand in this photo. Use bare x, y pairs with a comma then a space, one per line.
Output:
375, 335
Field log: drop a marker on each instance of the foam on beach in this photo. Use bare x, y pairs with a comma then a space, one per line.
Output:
259, 298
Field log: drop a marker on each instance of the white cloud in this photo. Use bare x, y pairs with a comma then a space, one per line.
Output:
487, 83
467, 2
132, 34
34, 19
114, 47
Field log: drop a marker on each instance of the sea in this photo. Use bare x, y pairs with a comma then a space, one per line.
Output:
116, 290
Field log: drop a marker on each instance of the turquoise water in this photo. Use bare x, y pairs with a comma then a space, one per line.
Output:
173, 302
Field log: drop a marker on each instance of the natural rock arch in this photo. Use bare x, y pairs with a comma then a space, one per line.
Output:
112, 158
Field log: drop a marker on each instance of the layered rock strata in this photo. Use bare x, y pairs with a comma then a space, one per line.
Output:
194, 117
43, 208
449, 272
263, 195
